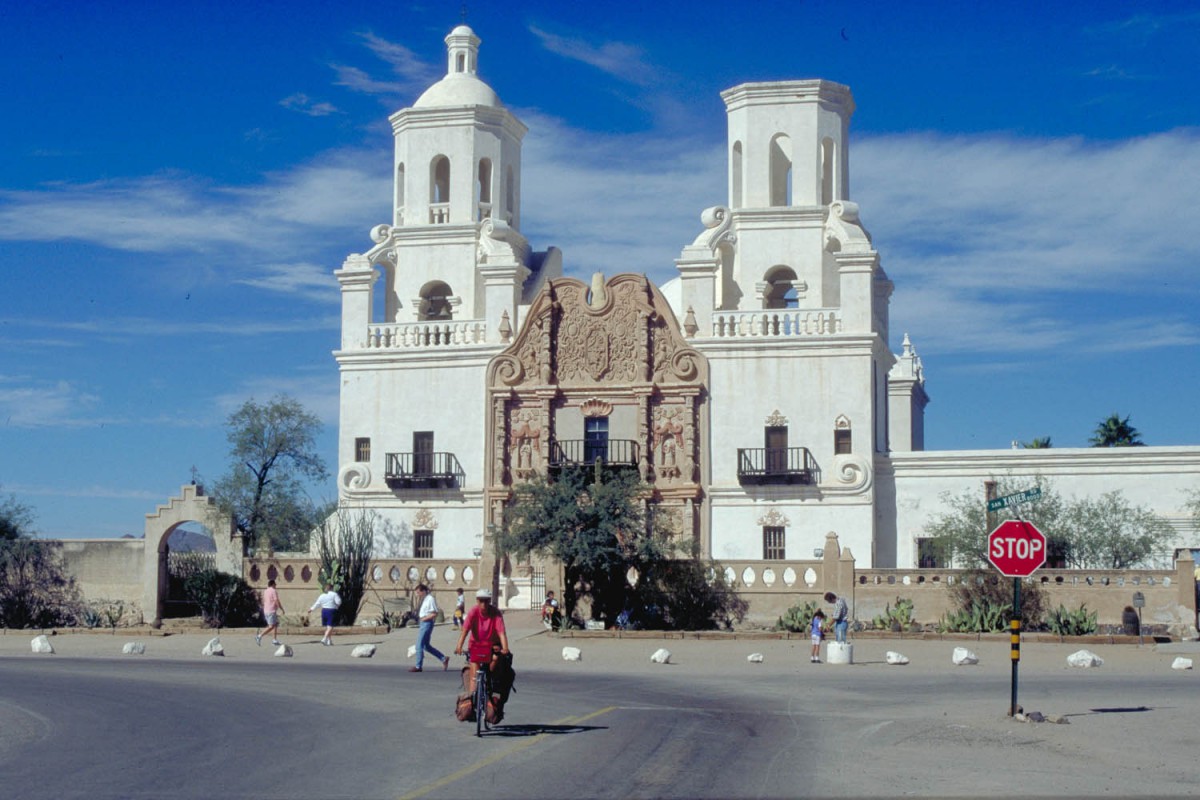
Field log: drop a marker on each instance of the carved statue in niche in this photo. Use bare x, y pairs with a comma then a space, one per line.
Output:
670, 447
662, 351
525, 443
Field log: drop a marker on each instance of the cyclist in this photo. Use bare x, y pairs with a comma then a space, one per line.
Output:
485, 624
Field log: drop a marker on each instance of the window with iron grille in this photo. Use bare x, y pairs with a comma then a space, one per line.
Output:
422, 544
773, 543
362, 449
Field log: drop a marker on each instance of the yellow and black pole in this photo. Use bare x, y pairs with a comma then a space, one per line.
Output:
1015, 625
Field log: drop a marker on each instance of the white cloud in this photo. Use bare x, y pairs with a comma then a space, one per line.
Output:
26, 403
623, 61
306, 105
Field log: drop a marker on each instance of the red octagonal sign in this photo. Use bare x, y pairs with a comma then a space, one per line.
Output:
1016, 548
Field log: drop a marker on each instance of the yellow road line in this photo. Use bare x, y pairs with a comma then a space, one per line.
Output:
478, 765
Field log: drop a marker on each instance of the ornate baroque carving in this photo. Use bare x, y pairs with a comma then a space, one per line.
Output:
595, 407
773, 519
525, 443
424, 520
776, 420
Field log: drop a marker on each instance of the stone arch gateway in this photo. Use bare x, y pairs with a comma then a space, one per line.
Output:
190, 506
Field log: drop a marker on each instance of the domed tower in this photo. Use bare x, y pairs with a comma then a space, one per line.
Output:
453, 250
438, 293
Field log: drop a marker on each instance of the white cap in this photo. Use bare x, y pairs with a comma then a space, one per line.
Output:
483, 594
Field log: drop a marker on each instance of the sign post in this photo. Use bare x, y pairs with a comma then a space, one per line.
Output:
1016, 548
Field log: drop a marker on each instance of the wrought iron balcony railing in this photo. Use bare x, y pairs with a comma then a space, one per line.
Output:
423, 470
776, 465
581, 452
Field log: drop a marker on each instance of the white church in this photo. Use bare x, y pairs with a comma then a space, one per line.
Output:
757, 392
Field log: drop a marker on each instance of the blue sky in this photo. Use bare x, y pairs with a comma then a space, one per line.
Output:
178, 182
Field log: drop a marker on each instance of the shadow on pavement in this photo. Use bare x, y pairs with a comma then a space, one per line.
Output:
536, 730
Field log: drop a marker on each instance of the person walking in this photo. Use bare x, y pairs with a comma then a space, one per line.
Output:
841, 616
426, 617
271, 609
329, 602
460, 609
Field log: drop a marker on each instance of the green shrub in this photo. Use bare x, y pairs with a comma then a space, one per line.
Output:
798, 618
980, 617
224, 600
897, 617
1079, 622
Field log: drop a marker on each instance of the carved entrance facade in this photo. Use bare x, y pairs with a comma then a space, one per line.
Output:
601, 373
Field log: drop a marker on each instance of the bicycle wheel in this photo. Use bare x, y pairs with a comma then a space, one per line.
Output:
481, 698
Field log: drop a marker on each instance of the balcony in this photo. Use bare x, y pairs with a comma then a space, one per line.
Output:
583, 453
763, 466
423, 471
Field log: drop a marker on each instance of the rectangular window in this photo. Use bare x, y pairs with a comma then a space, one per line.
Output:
595, 439
773, 543
841, 442
362, 449
929, 555
422, 452
422, 544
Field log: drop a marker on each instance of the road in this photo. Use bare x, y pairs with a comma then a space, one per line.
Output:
609, 727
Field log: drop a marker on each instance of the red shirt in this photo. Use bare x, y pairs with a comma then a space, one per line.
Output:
485, 630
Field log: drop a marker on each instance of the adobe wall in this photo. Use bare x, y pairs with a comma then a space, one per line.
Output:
105, 569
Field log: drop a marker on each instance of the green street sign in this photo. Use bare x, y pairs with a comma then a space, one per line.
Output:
1014, 499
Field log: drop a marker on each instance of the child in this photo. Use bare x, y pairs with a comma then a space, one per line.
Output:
818, 622
459, 610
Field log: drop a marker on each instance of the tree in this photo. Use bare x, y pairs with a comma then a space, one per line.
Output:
1116, 432
1040, 443
600, 527
35, 589
595, 524
1090, 533
346, 544
16, 519
272, 447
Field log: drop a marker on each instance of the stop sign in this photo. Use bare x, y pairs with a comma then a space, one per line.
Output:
1016, 548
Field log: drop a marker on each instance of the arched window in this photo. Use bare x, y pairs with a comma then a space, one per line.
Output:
735, 175
435, 301
827, 159
439, 190
780, 291
460, 63
483, 188
781, 170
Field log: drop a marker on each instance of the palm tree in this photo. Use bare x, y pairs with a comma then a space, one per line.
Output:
1116, 432
1040, 443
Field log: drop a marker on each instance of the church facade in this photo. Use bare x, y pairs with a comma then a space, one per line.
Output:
756, 393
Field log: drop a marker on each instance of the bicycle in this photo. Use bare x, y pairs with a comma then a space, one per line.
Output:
483, 693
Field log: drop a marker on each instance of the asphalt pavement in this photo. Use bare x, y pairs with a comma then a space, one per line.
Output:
91, 722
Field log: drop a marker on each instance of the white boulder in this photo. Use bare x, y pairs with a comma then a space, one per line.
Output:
572, 654
283, 651
661, 656
213, 648
412, 651
1085, 659
41, 644
134, 649
839, 653
1181, 663
893, 657
755, 658
962, 657
363, 651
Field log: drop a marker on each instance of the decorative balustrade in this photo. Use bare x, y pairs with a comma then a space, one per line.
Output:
439, 213
433, 333
776, 323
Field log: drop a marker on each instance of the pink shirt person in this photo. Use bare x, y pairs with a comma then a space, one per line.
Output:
484, 626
